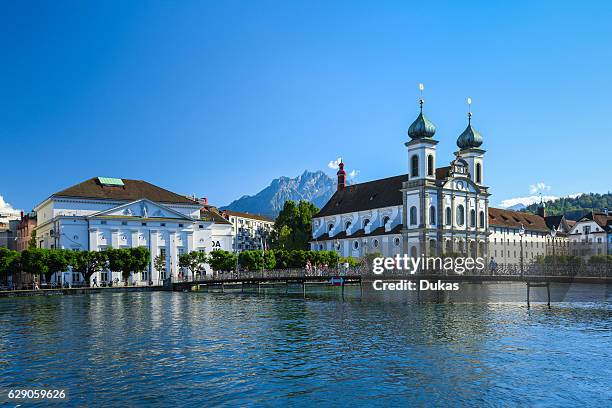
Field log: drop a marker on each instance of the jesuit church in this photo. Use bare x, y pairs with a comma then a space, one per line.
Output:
428, 211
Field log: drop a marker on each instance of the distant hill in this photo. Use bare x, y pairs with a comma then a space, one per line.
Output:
575, 208
316, 187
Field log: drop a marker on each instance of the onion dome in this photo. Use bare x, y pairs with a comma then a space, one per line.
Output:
470, 138
422, 127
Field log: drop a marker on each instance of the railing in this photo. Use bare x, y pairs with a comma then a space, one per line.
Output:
530, 270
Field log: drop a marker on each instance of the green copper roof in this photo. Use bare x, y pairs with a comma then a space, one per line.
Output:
110, 181
421, 128
470, 138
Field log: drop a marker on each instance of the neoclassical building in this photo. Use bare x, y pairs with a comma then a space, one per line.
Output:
430, 210
104, 212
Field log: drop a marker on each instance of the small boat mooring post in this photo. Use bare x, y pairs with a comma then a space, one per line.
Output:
304, 288
538, 285
528, 295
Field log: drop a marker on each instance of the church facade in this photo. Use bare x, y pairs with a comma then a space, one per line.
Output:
428, 211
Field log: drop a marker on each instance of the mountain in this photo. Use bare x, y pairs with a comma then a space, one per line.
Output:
516, 207
316, 187
575, 207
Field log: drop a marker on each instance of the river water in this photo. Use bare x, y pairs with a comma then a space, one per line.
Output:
482, 347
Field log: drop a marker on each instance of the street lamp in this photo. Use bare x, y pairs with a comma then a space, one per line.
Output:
521, 233
553, 234
337, 246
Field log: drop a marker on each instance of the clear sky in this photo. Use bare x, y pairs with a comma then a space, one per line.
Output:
218, 98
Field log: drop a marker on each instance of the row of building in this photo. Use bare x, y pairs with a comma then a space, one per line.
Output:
435, 210
104, 212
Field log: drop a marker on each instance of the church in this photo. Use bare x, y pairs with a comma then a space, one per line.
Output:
429, 211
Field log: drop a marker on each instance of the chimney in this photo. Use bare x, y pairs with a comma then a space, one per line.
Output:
341, 176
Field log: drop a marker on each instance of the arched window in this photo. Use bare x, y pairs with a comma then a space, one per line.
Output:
396, 241
413, 252
385, 220
430, 165
460, 215
472, 218
330, 227
449, 217
478, 173
356, 244
347, 225
375, 243
432, 215
482, 220
415, 166
413, 215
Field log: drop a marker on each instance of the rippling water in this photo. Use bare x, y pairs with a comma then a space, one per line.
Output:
204, 349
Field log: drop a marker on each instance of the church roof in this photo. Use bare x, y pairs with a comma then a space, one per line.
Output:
365, 196
371, 194
513, 219
128, 190
421, 128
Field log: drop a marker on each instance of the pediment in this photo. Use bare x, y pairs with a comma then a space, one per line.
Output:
141, 209
461, 184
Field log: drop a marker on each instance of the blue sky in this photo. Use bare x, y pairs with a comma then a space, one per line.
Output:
218, 98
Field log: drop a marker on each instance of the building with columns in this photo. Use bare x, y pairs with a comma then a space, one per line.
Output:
428, 211
103, 212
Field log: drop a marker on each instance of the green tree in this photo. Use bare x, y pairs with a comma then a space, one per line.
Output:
119, 261
254, 260
58, 261
293, 225
8, 261
194, 261
34, 261
221, 260
89, 262
139, 259
32, 241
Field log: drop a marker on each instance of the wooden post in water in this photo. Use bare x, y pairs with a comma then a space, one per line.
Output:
528, 295
548, 292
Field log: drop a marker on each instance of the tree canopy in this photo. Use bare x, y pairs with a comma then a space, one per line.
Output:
293, 225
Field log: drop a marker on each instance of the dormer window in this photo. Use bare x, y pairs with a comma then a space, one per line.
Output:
366, 222
330, 227
347, 225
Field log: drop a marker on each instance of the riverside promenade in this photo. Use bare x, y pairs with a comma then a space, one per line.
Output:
77, 291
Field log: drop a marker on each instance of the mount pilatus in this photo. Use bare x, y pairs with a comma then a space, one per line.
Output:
316, 187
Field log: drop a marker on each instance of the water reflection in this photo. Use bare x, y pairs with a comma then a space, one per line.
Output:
478, 346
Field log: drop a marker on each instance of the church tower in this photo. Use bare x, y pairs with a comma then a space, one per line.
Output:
421, 147
469, 150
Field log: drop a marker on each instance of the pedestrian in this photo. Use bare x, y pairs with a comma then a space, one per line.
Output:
95, 282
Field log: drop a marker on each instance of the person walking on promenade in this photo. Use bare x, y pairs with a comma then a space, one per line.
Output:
95, 282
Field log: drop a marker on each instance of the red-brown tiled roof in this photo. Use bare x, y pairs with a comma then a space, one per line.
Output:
513, 219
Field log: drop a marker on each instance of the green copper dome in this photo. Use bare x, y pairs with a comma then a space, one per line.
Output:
421, 128
470, 138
